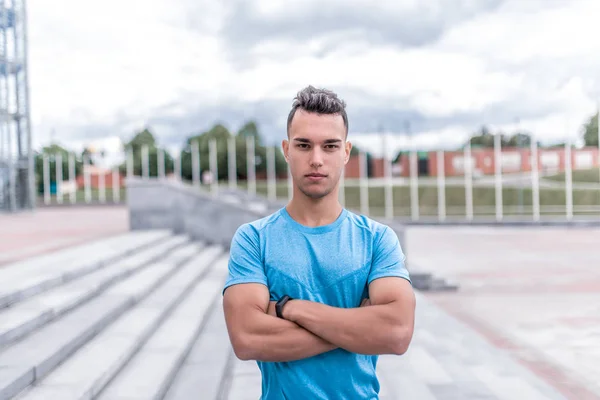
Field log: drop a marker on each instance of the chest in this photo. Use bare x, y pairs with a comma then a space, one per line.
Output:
332, 270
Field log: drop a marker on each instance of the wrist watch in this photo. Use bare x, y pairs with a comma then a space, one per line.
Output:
279, 305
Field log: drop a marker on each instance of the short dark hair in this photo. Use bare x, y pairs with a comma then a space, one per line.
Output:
319, 101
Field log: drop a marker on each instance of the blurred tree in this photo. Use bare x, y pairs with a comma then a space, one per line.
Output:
521, 139
557, 145
144, 137
51, 152
141, 139
222, 135
250, 128
484, 138
590, 131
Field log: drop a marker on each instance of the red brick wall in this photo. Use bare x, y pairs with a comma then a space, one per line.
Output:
352, 168
405, 162
378, 167
95, 181
484, 161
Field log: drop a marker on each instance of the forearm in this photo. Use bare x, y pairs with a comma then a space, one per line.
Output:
275, 339
364, 330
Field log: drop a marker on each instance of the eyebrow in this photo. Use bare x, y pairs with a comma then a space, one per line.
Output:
327, 141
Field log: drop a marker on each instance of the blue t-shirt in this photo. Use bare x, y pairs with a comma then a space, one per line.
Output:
331, 264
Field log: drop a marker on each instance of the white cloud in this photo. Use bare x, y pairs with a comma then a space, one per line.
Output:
547, 52
92, 61
108, 67
525, 31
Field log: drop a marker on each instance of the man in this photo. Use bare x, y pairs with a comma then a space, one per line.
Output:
315, 292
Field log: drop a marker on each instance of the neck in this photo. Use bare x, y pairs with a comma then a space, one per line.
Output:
314, 212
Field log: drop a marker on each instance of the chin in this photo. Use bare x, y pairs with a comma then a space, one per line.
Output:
316, 194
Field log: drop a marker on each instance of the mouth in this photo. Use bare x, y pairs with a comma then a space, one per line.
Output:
315, 177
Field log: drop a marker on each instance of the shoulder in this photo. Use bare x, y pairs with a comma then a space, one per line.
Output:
377, 230
253, 229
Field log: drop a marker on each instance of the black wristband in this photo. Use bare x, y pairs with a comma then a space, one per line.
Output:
279, 305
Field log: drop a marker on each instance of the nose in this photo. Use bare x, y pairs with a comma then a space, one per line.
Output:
316, 158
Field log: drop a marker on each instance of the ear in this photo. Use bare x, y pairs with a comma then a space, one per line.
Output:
285, 146
348, 149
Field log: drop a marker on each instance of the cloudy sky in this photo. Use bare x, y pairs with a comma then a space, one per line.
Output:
100, 70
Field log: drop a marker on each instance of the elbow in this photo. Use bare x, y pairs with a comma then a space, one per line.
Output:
400, 340
400, 347
242, 348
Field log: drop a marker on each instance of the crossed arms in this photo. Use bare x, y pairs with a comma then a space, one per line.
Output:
385, 326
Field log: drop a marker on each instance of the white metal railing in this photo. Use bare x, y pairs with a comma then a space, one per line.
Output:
443, 195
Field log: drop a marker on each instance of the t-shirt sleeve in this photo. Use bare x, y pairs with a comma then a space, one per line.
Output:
245, 263
388, 257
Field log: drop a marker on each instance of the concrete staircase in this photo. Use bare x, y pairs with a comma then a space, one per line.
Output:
118, 318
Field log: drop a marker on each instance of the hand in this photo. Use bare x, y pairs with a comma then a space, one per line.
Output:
365, 303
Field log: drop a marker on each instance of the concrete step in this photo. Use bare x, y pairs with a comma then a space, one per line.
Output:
30, 314
32, 358
150, 373
206, 368
94, 365
29, 277
244, 381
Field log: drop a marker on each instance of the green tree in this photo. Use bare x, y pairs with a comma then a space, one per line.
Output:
590, 131
136, 144
140, 139
222, 135
52, 153
520, 139
484, 137
250, 128
557, 145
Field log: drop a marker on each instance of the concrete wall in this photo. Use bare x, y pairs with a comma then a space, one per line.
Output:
169, 204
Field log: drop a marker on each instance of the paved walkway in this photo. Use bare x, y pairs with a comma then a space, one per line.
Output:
27, 234
532, 292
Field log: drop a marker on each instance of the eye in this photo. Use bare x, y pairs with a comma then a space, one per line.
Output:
332, 146
302, 145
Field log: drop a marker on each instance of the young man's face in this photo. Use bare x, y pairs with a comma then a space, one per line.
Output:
316, 152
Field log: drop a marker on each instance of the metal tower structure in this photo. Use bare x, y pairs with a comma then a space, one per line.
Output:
17, 173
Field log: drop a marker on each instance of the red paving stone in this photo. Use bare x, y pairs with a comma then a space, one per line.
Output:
527, 356
28, 234
579, 287
532, 292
